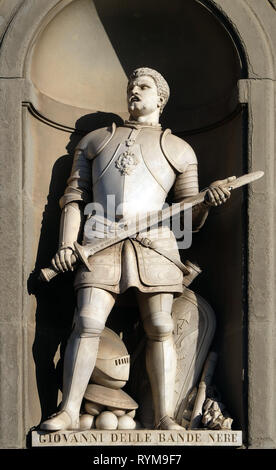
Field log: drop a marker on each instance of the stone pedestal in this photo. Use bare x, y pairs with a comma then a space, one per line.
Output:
144, 437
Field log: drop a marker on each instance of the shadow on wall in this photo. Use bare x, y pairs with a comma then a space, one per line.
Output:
56, 299
185, 43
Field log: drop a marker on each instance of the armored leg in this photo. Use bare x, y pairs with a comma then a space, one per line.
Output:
94, 306
160, 355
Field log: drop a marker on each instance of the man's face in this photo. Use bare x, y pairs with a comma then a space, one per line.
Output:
142, 97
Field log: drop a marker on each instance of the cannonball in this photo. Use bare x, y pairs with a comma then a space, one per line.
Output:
106, 420
92, 408
116, 411
131, 413
126, 422
86, 422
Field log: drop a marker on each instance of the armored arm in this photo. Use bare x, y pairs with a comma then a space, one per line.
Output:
77, 194
187, 185
183, 159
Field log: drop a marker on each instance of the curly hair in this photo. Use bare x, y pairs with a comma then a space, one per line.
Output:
161, 84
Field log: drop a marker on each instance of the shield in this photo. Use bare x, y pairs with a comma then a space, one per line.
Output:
194, 328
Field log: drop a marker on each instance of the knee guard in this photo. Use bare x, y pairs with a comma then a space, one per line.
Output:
158, 326
88, 327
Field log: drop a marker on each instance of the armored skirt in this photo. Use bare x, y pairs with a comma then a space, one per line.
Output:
130, 264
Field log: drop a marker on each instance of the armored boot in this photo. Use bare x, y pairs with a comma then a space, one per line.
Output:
161, 367
79, 363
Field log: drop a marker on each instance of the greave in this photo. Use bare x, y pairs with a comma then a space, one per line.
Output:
161, 362
79, 362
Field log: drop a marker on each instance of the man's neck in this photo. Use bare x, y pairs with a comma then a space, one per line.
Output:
137, 124
149, 120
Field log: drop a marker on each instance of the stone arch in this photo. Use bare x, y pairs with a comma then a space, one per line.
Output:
251, 25
33, 17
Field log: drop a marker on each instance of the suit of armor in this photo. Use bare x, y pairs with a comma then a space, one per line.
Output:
137, 165
133, 168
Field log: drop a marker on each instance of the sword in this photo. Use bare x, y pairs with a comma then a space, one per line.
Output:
128, 229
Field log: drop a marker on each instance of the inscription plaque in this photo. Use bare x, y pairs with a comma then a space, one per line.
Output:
141, 437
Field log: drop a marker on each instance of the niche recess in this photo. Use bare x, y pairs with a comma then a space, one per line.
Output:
78, 72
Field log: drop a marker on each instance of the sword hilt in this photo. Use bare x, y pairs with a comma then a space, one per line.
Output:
47, 274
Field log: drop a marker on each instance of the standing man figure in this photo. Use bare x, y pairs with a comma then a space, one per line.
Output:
132, 167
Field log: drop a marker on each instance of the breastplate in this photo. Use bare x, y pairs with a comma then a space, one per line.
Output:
131, 175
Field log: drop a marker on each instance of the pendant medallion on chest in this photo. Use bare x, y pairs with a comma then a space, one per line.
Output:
126, 162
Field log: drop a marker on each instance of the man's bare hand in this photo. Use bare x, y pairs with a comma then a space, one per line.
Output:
217, 194
64, 259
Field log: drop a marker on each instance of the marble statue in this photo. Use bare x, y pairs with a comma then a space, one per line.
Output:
133, 167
